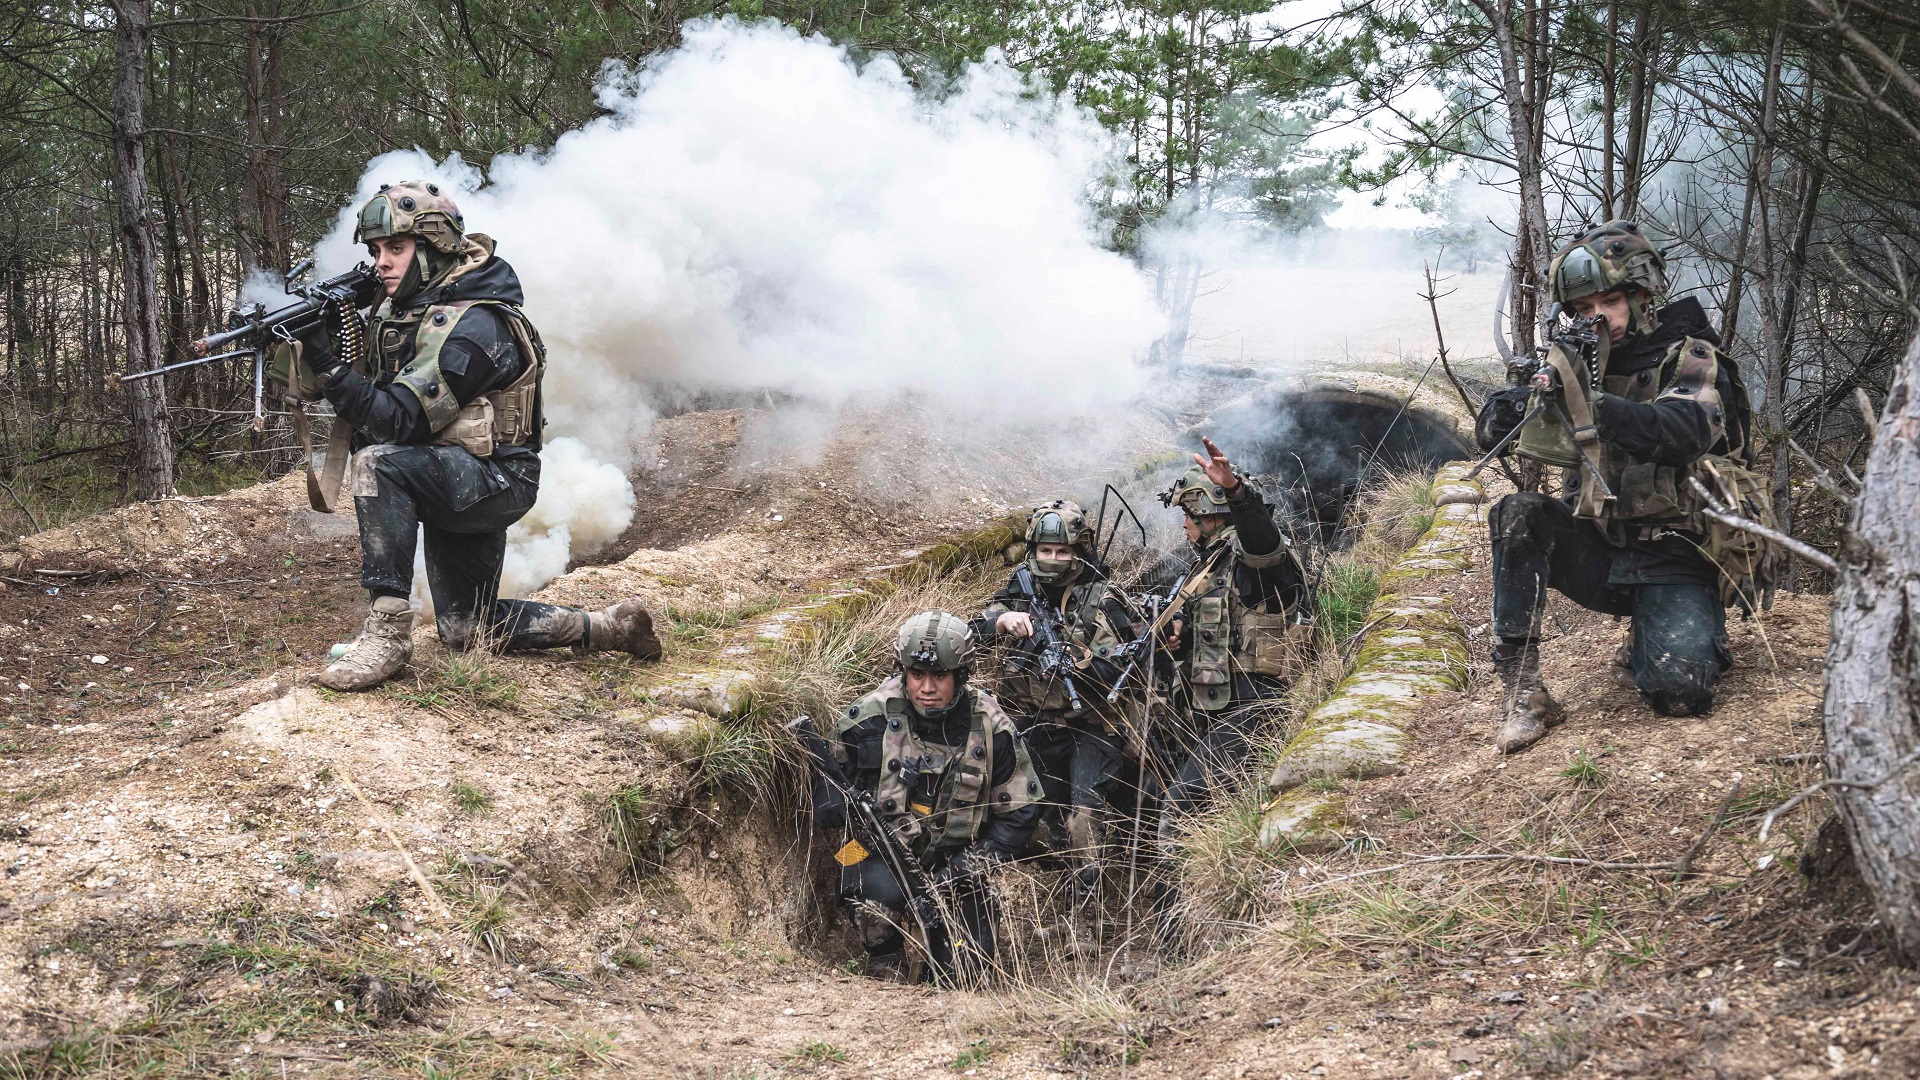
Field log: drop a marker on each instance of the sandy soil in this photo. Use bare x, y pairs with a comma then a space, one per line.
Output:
214, 868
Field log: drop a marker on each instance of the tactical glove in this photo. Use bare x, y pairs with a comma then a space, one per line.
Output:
1504, 410
317, 349
968, 864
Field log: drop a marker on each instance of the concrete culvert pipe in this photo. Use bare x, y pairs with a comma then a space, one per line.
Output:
1314, 438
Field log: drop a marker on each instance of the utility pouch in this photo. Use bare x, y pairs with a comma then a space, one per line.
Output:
1747, 562
1274, 645
1212, 648
286, 365
472, 430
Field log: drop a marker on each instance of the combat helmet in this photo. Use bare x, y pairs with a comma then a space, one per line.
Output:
413, 208
1061, 521
933, 641
423, 211
1607, 257
1196, 494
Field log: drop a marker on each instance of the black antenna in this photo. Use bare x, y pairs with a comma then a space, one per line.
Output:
1115, 492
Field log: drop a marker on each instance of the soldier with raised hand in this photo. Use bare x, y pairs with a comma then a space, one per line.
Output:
949, 775
1244, 635
446, 423
1077, 739
1667, 400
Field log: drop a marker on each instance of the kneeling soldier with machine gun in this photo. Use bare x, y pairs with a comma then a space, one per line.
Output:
935, 788
1644, 411
437, 400
1067, 624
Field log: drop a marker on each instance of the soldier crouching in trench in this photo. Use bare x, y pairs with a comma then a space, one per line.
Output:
446, 439
1076, 738
1669, 400
1243, 637
952, 780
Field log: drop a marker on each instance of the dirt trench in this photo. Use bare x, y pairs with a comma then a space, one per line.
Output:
213, 868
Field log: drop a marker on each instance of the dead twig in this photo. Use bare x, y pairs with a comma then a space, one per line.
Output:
1684, 864
1714, 512
413, 870
1766, 823
1820, 474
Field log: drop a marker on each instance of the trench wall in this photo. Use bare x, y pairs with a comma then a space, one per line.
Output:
1413, 644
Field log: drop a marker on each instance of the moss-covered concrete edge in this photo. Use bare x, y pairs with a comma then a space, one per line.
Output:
1415, 645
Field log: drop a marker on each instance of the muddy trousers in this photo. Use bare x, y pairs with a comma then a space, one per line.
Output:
1207, 753
1679, 647
970, 904
1082, 768
460, 506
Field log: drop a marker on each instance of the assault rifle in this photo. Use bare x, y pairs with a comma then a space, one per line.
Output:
253, 330
871, 836
1045, 654
1174, 603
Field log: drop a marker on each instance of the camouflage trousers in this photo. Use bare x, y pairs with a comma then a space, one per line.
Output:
1679, 648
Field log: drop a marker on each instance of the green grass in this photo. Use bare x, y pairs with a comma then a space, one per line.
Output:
977, 1053
1347, 591
818, 1052
1583, 771
470, 798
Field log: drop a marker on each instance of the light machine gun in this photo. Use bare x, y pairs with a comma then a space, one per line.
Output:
871, 837
254, 330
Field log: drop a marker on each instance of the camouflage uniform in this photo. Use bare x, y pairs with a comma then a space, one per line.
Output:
446, 438
956, 785
1245, 635
1669, 400
1083, 754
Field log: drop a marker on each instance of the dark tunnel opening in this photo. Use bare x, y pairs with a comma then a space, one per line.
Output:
1315, 448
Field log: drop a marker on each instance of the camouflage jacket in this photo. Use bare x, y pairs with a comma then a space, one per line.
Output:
479, 355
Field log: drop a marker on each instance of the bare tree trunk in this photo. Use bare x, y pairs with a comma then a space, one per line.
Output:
140, 312
1609, 95
1530, 238
1872, 709
1639, 110
1758, 172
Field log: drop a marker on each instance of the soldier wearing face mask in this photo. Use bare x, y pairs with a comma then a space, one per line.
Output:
1077, 738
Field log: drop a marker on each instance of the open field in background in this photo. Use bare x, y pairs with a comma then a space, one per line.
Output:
1309, 317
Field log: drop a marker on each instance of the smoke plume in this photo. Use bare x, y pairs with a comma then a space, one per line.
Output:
757, 210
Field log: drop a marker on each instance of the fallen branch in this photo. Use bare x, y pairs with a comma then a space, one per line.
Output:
1766, 823
1806, 551
1684, 864
413, 870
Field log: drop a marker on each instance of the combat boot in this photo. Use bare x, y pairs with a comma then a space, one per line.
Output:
1529, 709
1623, 665
384, 646
625, 627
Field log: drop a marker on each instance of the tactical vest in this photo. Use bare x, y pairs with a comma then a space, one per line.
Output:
504, 417
1652, 499
962, 797
1226, 637
1089, 633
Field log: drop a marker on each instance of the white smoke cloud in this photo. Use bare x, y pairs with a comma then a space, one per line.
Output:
758, 211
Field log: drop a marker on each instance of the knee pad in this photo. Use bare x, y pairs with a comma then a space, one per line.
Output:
1512, 518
